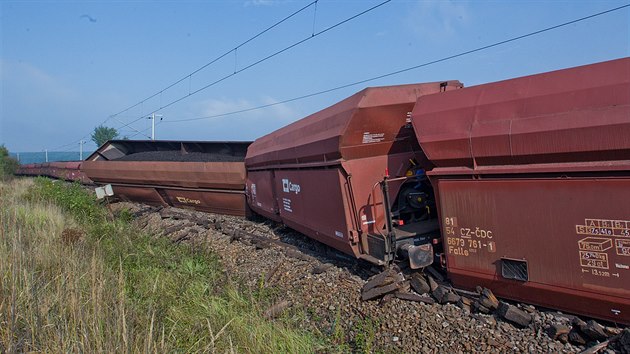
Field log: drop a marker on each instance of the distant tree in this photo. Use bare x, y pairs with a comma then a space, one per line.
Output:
102, 133
8, 165
4, 152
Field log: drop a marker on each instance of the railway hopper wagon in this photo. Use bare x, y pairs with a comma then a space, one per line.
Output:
206, 176
341, 176
532, 183
30, 169
67, 171
521, 186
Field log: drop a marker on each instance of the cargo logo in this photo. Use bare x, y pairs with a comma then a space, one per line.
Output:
185, 200
289, 187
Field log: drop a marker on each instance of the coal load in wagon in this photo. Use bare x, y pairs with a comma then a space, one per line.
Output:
179, 156
203, 175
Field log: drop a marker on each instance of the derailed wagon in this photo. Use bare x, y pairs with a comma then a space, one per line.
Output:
206, 176
325, 176
64, 170
521, 186
533, 183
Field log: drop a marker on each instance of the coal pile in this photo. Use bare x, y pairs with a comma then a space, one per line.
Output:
178, 156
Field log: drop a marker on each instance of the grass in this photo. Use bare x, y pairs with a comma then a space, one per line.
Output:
366, 332
74, 280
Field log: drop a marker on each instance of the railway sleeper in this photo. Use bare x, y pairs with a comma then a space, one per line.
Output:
427, 286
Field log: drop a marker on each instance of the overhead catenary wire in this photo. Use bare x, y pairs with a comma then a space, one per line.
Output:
189, 76
145, 130
314, 18
138, 132
132, 128
56, 148
457, 55
460, 54
236, 72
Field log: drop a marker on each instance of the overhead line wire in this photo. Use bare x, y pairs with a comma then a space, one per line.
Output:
263, 59
564, 24
62, 146
406, 69
85, 137
146, 130
220, 56
196, 71
132, 128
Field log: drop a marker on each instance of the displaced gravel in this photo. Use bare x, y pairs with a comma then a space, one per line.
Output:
324, 285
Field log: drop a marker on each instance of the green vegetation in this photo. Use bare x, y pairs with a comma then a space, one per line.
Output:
366, 333
8, 165
102, 133
74, 280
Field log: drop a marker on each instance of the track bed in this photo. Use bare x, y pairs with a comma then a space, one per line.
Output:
324, 286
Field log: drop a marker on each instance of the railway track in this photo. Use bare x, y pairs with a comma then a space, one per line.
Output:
479, 180
518, 186
325, 286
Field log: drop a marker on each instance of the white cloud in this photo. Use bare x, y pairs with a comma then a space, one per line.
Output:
213, 107
39, 109
27, 78
281, 112
438, 20
239, 126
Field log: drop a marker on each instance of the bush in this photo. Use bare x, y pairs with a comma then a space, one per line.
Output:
8, 165
70, 197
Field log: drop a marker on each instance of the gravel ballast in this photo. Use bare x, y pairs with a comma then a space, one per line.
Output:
325, 286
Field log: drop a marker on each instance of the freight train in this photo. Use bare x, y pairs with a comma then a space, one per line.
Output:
521, 186
67, 171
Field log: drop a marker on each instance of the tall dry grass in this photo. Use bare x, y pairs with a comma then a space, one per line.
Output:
71, 281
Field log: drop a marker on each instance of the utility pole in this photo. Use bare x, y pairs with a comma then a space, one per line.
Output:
46, 152
152, 117
81, 149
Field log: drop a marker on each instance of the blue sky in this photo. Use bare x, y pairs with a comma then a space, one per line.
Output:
65, 66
